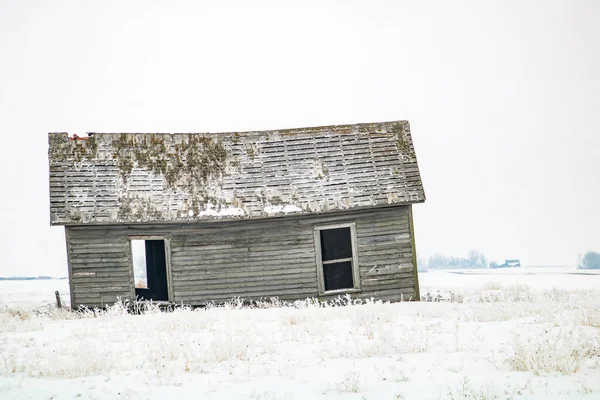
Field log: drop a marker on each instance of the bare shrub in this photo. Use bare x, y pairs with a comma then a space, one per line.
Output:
350, 383
468, 391
552, 349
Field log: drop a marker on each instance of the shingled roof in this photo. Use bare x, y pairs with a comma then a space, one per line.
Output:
115, 178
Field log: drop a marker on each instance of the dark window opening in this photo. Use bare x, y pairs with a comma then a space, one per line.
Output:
337, 258
335, 244
338, 275
150, 269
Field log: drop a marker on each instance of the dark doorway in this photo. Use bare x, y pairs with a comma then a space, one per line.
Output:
150, 269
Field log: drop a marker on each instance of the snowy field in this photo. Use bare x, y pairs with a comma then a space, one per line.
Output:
528, 333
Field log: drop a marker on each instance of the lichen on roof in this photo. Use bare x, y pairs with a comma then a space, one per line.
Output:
156, 177
196, 157
60, 148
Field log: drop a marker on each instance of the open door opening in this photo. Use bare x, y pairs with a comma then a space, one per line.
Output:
150, 269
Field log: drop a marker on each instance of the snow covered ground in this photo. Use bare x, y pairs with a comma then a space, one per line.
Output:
501, 334
33, 293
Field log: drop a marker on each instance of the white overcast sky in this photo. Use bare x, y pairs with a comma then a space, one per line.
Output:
503, 98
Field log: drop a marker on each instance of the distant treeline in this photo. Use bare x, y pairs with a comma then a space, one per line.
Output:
25, 278
475, 259
590, 260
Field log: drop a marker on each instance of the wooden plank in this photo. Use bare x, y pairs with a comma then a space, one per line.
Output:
107, 289
243, 250
104, 266
82, 282
233, 262
106, 258
385, 248
82, 245
70, 267
233, 283
414, 254
366, 232
365, 271
244, 266
86, 300
384, 240
408, 283
244, 272
103, 250
212, 258
380, 281
249, 257
242, 285
120, 273
202, 237
229, 293
384, 252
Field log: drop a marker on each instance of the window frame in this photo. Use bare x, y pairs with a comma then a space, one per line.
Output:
354, 259
167, 241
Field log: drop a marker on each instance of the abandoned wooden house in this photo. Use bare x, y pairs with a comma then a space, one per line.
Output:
193, 218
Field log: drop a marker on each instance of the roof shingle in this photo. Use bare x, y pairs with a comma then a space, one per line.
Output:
114, 178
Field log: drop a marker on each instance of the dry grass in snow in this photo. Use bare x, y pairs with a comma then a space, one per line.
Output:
496, 341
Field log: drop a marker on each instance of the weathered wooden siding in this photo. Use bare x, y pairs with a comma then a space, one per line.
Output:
99, 266
266, 258
216, 261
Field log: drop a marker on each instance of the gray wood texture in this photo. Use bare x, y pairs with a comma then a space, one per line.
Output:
218, 260
123, 178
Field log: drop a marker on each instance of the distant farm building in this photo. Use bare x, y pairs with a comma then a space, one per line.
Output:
194, 218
